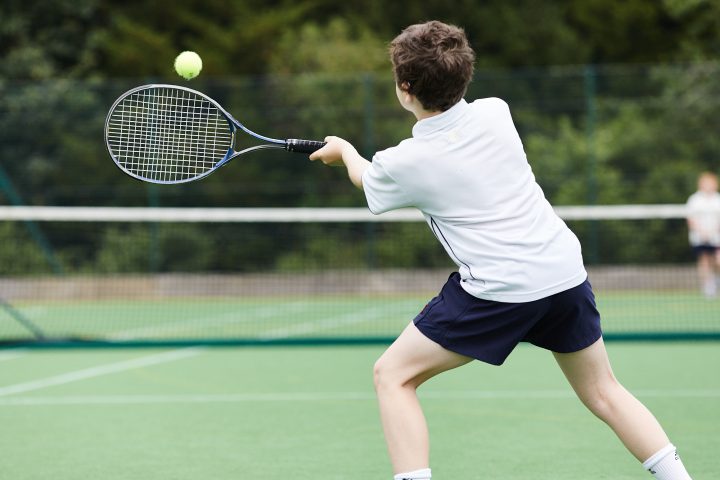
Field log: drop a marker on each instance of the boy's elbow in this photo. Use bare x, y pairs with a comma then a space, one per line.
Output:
355, 172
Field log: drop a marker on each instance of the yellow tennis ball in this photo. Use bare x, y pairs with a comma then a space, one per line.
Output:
188, 65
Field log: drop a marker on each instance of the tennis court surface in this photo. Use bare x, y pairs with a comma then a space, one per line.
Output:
309, 413
183, 282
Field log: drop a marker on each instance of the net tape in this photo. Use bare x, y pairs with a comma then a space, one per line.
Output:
230, 215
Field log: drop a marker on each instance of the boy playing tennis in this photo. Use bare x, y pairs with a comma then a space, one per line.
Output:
521, 274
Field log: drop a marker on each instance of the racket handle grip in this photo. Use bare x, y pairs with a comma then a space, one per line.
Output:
303, 146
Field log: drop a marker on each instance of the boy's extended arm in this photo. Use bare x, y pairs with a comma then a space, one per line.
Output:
339, 150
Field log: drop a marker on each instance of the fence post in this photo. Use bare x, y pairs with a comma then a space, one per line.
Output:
369, 114
369, 151
590, 81
154, 250
35, 232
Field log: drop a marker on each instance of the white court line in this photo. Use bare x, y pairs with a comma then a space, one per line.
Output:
227, 318
176, 327
12, 354
185, 398
253, 315
99, 371
325, 323
329, 396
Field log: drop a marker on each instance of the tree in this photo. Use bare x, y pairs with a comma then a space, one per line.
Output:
41, 40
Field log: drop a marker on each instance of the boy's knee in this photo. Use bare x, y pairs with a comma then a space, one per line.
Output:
385, 376
605, 399
379, 371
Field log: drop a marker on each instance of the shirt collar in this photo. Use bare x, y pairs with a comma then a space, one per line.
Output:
441, 120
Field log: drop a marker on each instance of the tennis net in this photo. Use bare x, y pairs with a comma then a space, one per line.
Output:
146, 276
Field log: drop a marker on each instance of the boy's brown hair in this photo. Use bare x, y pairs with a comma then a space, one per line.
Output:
434, 62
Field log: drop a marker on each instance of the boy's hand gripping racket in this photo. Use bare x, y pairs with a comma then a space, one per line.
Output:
172, 134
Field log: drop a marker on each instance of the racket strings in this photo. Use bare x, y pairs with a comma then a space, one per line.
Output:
168, 135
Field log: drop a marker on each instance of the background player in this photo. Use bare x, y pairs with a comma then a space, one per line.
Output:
704, 230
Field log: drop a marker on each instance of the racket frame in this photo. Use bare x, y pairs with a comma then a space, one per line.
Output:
291, 144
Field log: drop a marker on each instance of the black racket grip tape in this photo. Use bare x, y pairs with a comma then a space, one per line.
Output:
303, 146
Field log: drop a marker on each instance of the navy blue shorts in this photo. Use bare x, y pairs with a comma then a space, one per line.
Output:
704, 249
486, 330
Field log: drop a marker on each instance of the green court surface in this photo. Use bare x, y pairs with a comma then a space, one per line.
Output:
309, 413
319, 316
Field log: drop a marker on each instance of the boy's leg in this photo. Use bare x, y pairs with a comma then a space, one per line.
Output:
706, 272
408, 362
591, 376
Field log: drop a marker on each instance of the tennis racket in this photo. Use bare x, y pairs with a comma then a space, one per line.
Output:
170, 134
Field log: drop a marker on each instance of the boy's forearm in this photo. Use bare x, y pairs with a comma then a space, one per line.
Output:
356, 165
338, 150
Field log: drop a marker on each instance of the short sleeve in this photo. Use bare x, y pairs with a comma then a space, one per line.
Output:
382, 192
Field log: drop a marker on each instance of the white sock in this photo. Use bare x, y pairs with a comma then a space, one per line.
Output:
666, 465
423, 474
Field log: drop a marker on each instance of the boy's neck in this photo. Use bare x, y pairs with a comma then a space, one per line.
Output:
412, 104
423, 114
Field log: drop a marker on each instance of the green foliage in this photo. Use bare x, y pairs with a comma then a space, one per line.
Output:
335, 47
401, 245
151, 247
133, 38
645, 143
142, 38
319, 67
124, 250
50, 136
18, 255
409, 245
554, 32
635, 31
322, 252
700, 25
40, 40
615, 159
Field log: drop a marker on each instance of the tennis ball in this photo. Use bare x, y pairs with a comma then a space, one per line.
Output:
188, 65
